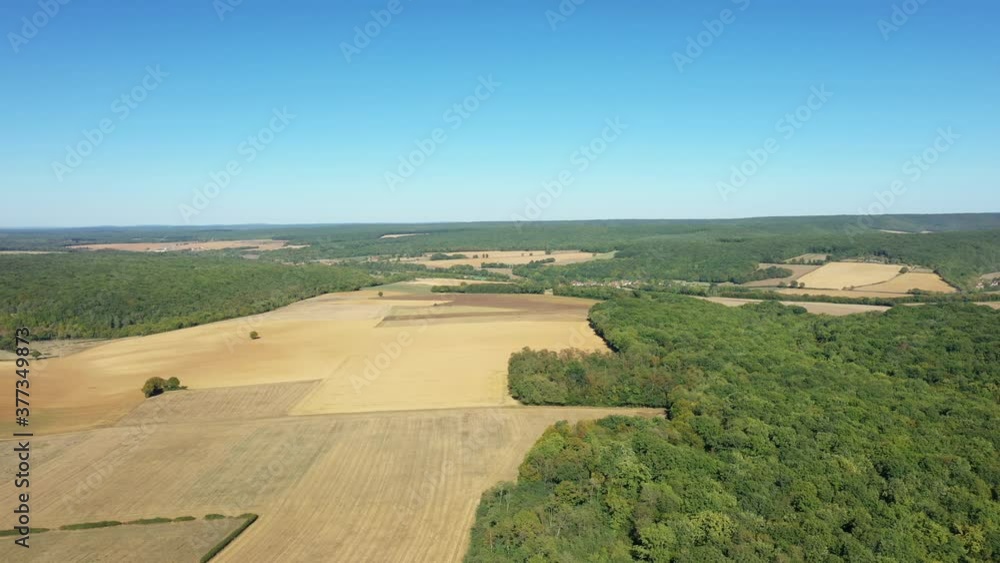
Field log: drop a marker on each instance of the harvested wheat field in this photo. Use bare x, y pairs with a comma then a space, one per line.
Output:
798, 270
452, 282
2, 252
193, 246
838, 275
924, 281
361, 362
835, 309
393, 486
512, 257
854, 293
153, 543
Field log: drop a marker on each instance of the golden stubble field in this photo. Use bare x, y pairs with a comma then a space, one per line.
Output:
359, 427
512, 257
193, 246
861, 279
402, 351
157, 543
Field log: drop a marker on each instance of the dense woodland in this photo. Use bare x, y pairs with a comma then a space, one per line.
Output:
960, 247
788, 436
105, 294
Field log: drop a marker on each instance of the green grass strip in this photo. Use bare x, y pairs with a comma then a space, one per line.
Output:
89, 525
229, 539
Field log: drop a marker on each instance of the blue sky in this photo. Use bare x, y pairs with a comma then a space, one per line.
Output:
264, 89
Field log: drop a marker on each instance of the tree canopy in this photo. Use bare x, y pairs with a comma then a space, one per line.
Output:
787, 436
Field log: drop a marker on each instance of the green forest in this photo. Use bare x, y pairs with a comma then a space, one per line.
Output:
112, 294
960, 247
787, 437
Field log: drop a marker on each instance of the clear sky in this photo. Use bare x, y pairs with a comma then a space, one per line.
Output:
284, 112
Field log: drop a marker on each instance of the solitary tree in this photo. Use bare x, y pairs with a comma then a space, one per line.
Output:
254, 335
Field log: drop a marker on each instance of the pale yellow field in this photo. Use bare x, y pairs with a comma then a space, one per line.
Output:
29, 252
193, 246
514, 257
154, 543
392, 486
430, 282
913, 280
835, 309
441, 353
838, 275
839, 292
402, 235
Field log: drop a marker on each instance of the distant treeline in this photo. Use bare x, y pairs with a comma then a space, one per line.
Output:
788, 437
716, 257
103, 294
489, 288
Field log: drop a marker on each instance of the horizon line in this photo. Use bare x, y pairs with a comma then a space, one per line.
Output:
483, 221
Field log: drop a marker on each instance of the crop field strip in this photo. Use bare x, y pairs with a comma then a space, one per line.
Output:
170, 542
413, 477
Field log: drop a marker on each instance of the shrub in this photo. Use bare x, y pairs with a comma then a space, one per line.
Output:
254, 335
184, 518
157, 386
214, 517
143, 521
153, 386
33, 530
90, 525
